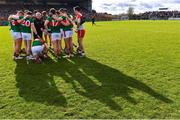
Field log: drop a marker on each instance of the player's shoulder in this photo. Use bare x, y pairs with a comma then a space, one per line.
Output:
49, 18
79, 15
70, 16
21, 17
63, 17
45, 17
31, 19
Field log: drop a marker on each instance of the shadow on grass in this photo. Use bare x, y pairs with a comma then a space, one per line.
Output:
36, 84
89, 78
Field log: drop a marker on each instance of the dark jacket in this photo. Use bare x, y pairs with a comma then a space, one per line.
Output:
39, 24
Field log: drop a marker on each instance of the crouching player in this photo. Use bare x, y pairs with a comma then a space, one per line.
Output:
39, 50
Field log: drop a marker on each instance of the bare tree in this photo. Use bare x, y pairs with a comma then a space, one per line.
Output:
130, 12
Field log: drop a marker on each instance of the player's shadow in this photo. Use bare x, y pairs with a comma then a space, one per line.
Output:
35, 83
88, 77
103, 83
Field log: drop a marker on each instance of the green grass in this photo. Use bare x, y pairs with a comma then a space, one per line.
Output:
132, 70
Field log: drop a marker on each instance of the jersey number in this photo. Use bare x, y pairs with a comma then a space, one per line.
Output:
27, 23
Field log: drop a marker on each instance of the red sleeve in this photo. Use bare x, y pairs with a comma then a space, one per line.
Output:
79, 16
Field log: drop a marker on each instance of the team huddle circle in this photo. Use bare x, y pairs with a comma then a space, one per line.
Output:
43, 31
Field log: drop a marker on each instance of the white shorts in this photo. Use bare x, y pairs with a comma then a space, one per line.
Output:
67, 34
16, 35
55, 36
36, 50
26, 36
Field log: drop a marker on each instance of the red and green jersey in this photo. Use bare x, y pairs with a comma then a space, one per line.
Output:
26, 25
15, 26
44, 18
54, 25
36, 43
79, 16
66, 28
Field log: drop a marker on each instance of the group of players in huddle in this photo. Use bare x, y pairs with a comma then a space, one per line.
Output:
58, 25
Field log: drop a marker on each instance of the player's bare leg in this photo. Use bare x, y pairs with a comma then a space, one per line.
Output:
17, 48
29, 47
59, 47
37, 59
45, 50
56, 48
27, 44
45, 37
71, 45
60, 44
67, 48
50, 41
81, 46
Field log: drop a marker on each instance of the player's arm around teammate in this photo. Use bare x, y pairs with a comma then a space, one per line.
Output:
68, 34
71, 35
27, 28
16, 33
55, 29
66, 26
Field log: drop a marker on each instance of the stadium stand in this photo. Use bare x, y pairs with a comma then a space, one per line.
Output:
160, 15
11, 7
152, 15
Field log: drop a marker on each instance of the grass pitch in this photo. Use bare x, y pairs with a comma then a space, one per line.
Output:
132, 70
